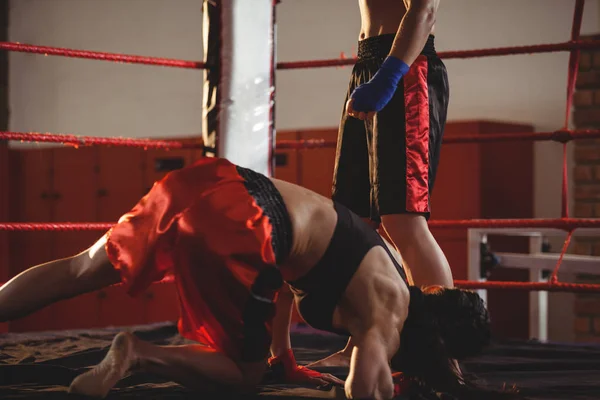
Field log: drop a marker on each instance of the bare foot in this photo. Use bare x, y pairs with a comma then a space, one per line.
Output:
338, 359
115, 366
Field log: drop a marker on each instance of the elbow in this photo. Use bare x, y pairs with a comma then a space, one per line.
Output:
364, 390
360, 390
425, 12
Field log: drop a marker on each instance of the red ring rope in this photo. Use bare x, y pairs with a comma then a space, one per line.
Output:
77, 141
50, 226
97, 55
529, 286
500, 51
567, 224
554, 276
561, 136
133, 59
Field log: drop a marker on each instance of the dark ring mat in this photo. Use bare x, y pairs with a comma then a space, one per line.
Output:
42, 365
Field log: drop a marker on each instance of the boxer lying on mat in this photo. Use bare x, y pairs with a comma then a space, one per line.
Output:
233, 240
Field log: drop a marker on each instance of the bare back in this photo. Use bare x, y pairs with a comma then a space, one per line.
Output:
376, 290
380, 17
313, 222
376, 297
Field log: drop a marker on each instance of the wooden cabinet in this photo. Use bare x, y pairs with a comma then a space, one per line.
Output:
120, 181
31, 183
310, 168
286, 161
100, 184
4, 216
84, 185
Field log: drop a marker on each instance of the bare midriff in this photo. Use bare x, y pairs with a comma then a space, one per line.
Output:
379, 17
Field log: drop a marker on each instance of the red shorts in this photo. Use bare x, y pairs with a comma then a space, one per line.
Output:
202, 227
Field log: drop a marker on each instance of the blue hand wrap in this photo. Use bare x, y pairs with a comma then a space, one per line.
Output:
375, 94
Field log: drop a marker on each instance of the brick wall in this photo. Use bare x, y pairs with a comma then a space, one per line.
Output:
586, 176
3, 146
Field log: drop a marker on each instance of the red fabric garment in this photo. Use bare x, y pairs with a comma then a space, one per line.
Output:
200, 226
416, 104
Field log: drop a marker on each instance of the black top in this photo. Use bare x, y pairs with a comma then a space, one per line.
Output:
320, 290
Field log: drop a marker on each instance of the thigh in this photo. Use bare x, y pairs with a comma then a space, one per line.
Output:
438, 94
351, 183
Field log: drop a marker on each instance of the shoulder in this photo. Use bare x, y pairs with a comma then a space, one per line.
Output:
381, 288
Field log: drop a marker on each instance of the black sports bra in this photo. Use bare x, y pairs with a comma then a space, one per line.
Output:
320, 290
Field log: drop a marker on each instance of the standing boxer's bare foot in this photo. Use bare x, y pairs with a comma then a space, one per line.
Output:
116, 365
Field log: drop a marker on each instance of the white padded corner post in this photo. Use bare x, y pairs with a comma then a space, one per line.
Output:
246, 84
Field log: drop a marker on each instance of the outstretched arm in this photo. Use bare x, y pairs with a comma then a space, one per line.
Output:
281, 323
414, 29
370, 375
282, 358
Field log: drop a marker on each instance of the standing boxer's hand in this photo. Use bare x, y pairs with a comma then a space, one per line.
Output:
356, 114
372, 96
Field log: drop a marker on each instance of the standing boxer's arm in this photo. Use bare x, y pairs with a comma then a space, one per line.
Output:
416, 25
414, 29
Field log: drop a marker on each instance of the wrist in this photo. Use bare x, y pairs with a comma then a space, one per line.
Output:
285, 361
394, 67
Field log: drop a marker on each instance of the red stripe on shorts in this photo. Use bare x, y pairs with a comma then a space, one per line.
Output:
416, 103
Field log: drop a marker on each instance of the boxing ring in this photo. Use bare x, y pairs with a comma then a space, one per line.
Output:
43, 364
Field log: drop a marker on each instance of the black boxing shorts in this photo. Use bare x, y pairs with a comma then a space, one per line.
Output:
388, 165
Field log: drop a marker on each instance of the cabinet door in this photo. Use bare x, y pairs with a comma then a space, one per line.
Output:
160, 162
75, 194
5, 190
4, 210
286, 161
75, 197
316, 165
120, 181
161, 303
33, 187
117, 308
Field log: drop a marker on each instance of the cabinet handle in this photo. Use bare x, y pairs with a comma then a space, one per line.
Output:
102, 294
168, 164
102, 193
149, 295
44, 195
281, 159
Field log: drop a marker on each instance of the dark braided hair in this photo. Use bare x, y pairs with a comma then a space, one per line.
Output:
449, 325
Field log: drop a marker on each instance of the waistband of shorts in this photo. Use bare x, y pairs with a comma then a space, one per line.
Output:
380, 46
269, 199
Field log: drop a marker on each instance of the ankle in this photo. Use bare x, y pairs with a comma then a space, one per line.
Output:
133, 349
